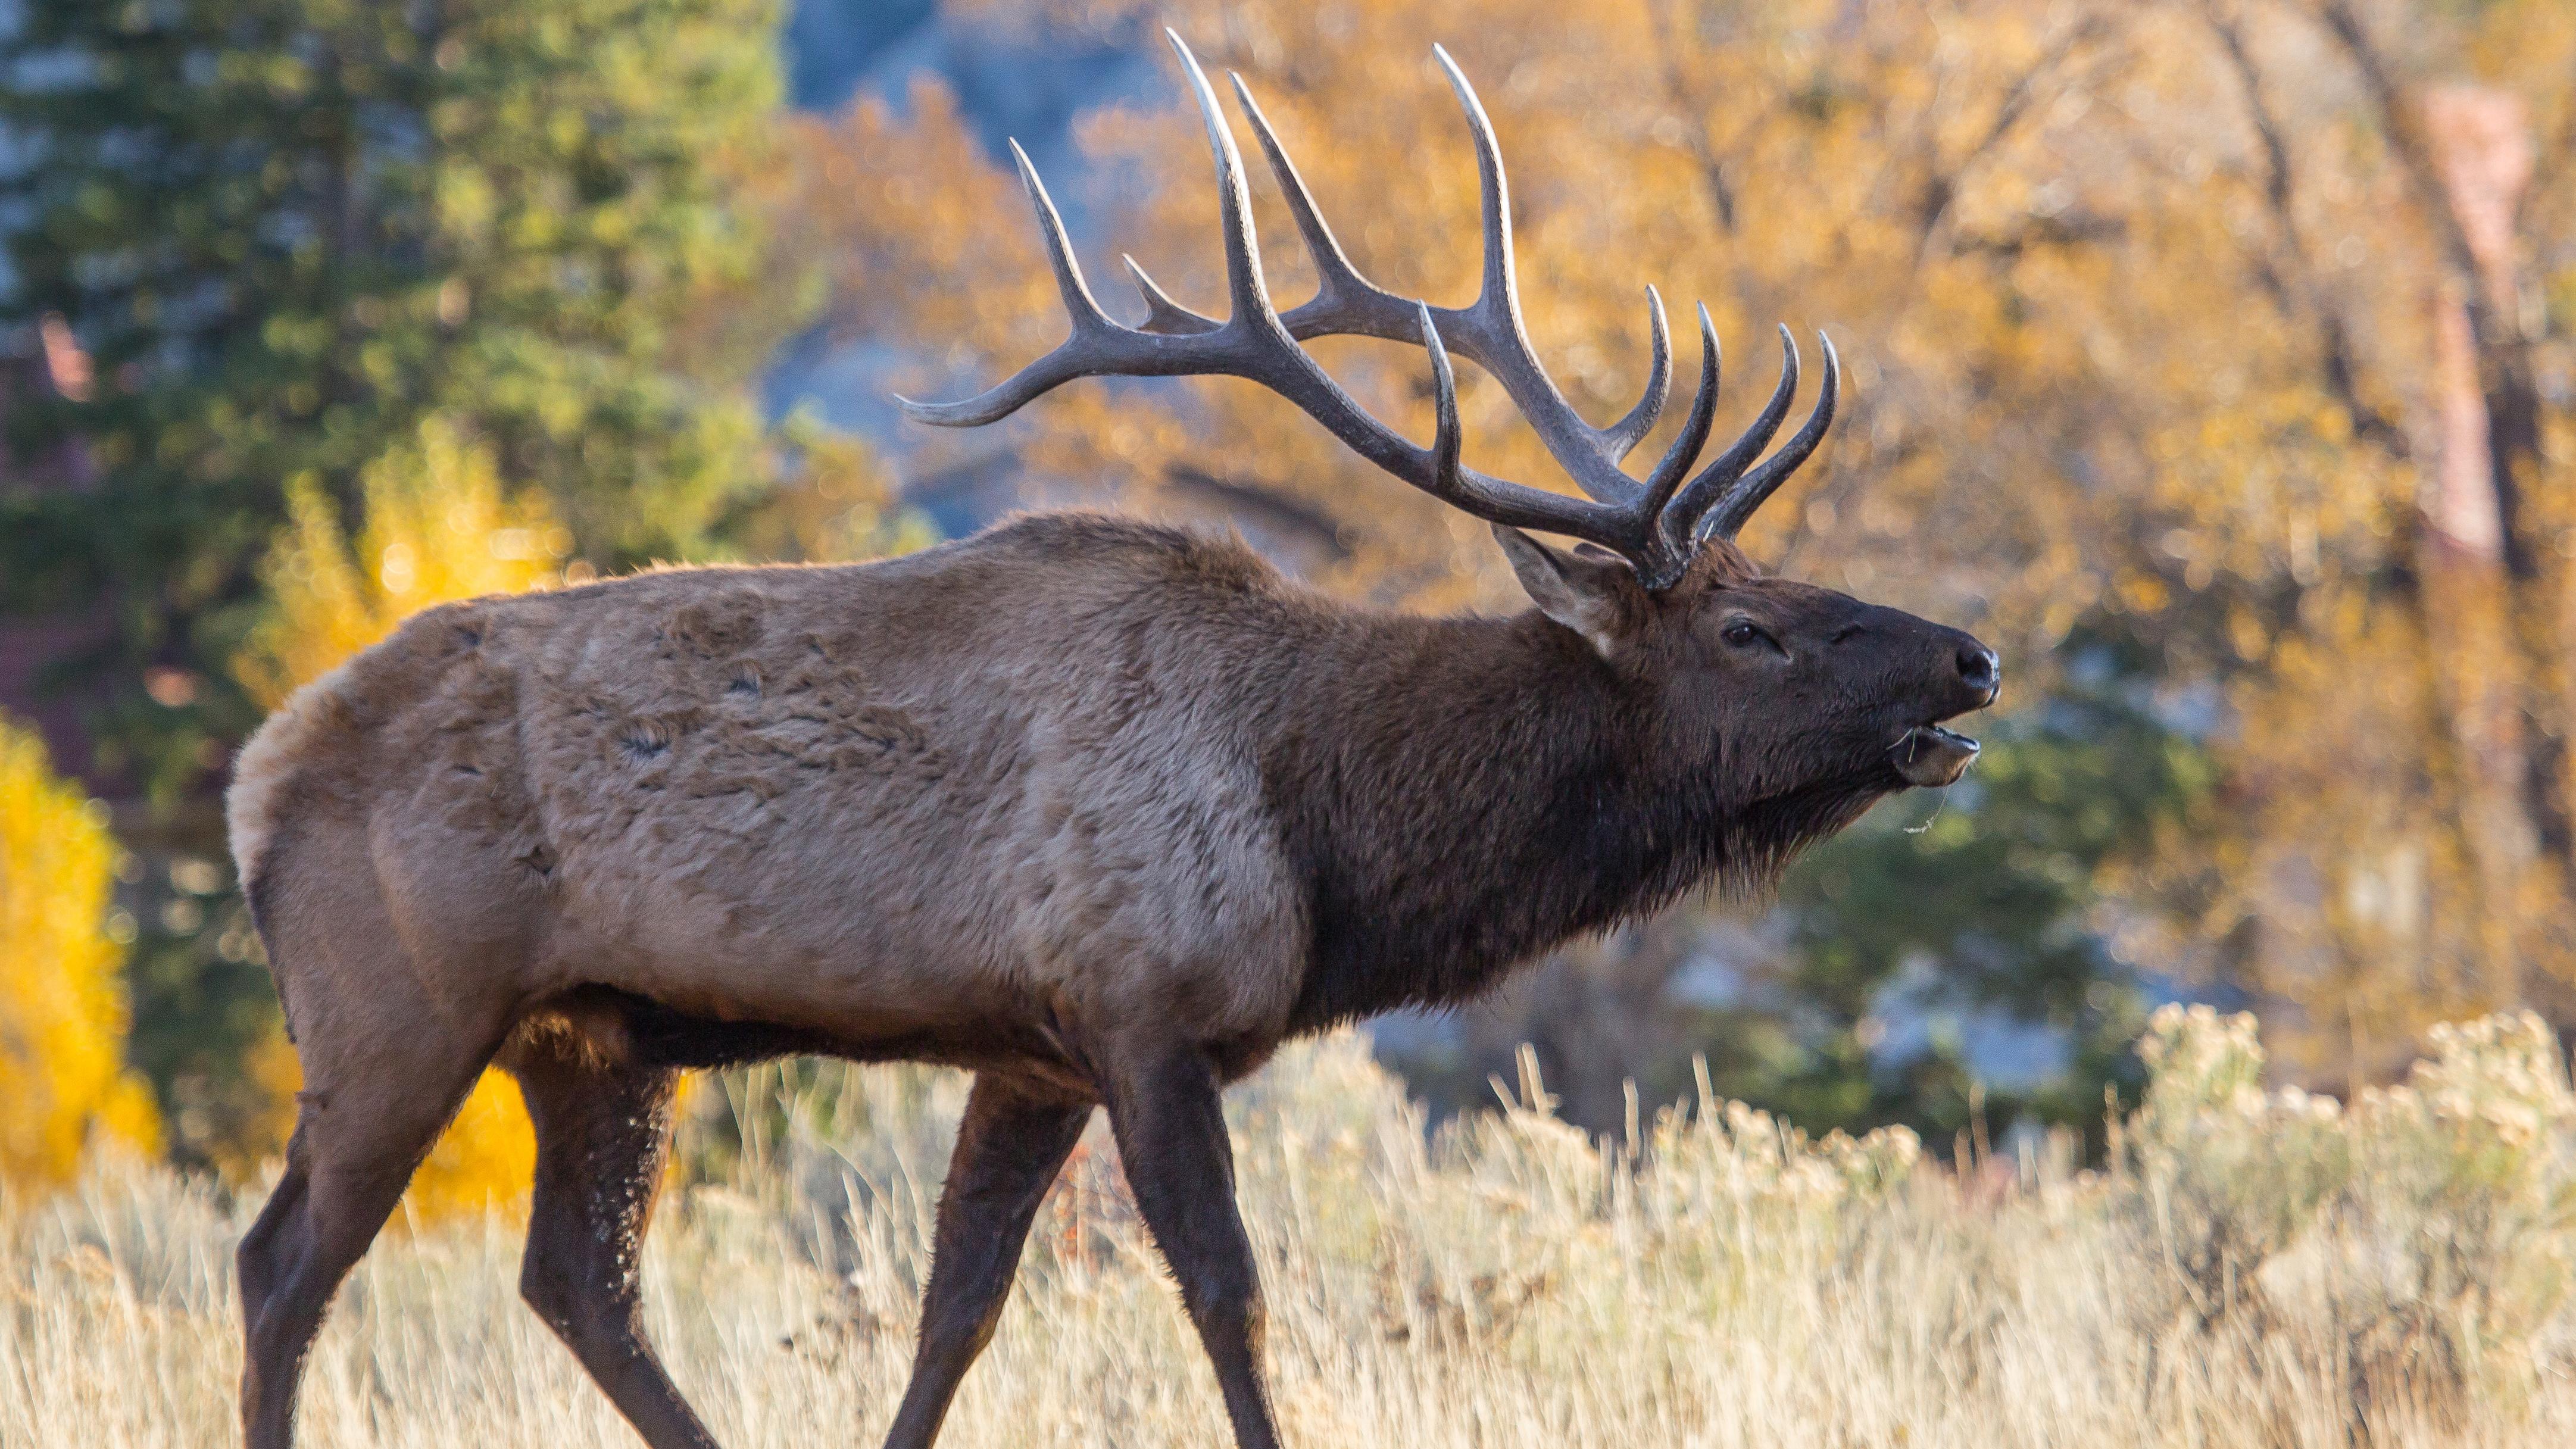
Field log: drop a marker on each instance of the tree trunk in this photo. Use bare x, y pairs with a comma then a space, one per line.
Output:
2480, 150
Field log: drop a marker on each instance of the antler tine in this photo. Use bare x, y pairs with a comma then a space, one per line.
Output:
1667, 476
1056, 368
1162, 314
1501, 286
1447, 438
1489, 331
1068, 272
1243, 280
1709, 485
1728, 517
1345, 303
1588, 454
1175, 341
1622, 437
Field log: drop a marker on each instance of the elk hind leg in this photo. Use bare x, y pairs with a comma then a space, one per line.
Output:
603, 1130
1010, 1146
368, 1115
261, 1256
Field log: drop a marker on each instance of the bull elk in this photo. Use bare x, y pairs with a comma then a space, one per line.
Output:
1100, 812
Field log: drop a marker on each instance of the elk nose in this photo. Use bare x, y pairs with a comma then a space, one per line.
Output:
1981, 671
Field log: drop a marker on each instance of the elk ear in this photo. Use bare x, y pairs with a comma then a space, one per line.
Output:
1586, 592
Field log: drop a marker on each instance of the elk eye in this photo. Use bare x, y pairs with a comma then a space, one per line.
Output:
1743, 633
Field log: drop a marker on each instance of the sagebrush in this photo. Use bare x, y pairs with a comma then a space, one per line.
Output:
2254, 1268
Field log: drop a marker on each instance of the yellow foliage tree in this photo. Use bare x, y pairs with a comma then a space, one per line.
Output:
63, 1082
438, 526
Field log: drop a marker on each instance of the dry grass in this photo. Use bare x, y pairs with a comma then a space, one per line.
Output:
2262, 1270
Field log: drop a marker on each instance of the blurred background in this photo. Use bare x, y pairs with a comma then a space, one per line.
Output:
2211, 358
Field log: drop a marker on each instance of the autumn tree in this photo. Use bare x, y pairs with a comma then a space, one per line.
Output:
436, 525
2399, 851
63, 1079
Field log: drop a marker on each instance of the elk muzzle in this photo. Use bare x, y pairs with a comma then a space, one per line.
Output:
1930, 756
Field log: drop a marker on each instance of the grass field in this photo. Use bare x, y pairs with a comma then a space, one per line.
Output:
2257, 1269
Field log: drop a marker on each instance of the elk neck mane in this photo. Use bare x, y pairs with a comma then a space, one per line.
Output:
1461, 794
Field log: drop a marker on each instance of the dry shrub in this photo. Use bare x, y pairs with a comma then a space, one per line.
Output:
2257, 1268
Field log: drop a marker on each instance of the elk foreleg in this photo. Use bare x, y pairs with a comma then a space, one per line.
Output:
602, 1133
1009, 1148
1170, 1124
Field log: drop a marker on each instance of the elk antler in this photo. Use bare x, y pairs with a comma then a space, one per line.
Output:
1655, 523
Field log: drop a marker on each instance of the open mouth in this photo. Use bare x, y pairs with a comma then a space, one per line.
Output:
1930, 756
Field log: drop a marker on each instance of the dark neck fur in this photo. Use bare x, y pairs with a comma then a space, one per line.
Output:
1461, 795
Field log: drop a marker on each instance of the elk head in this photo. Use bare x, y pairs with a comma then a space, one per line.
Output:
1782, 689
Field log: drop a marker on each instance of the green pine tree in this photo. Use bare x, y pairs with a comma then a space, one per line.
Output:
288, 230
1984, 902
